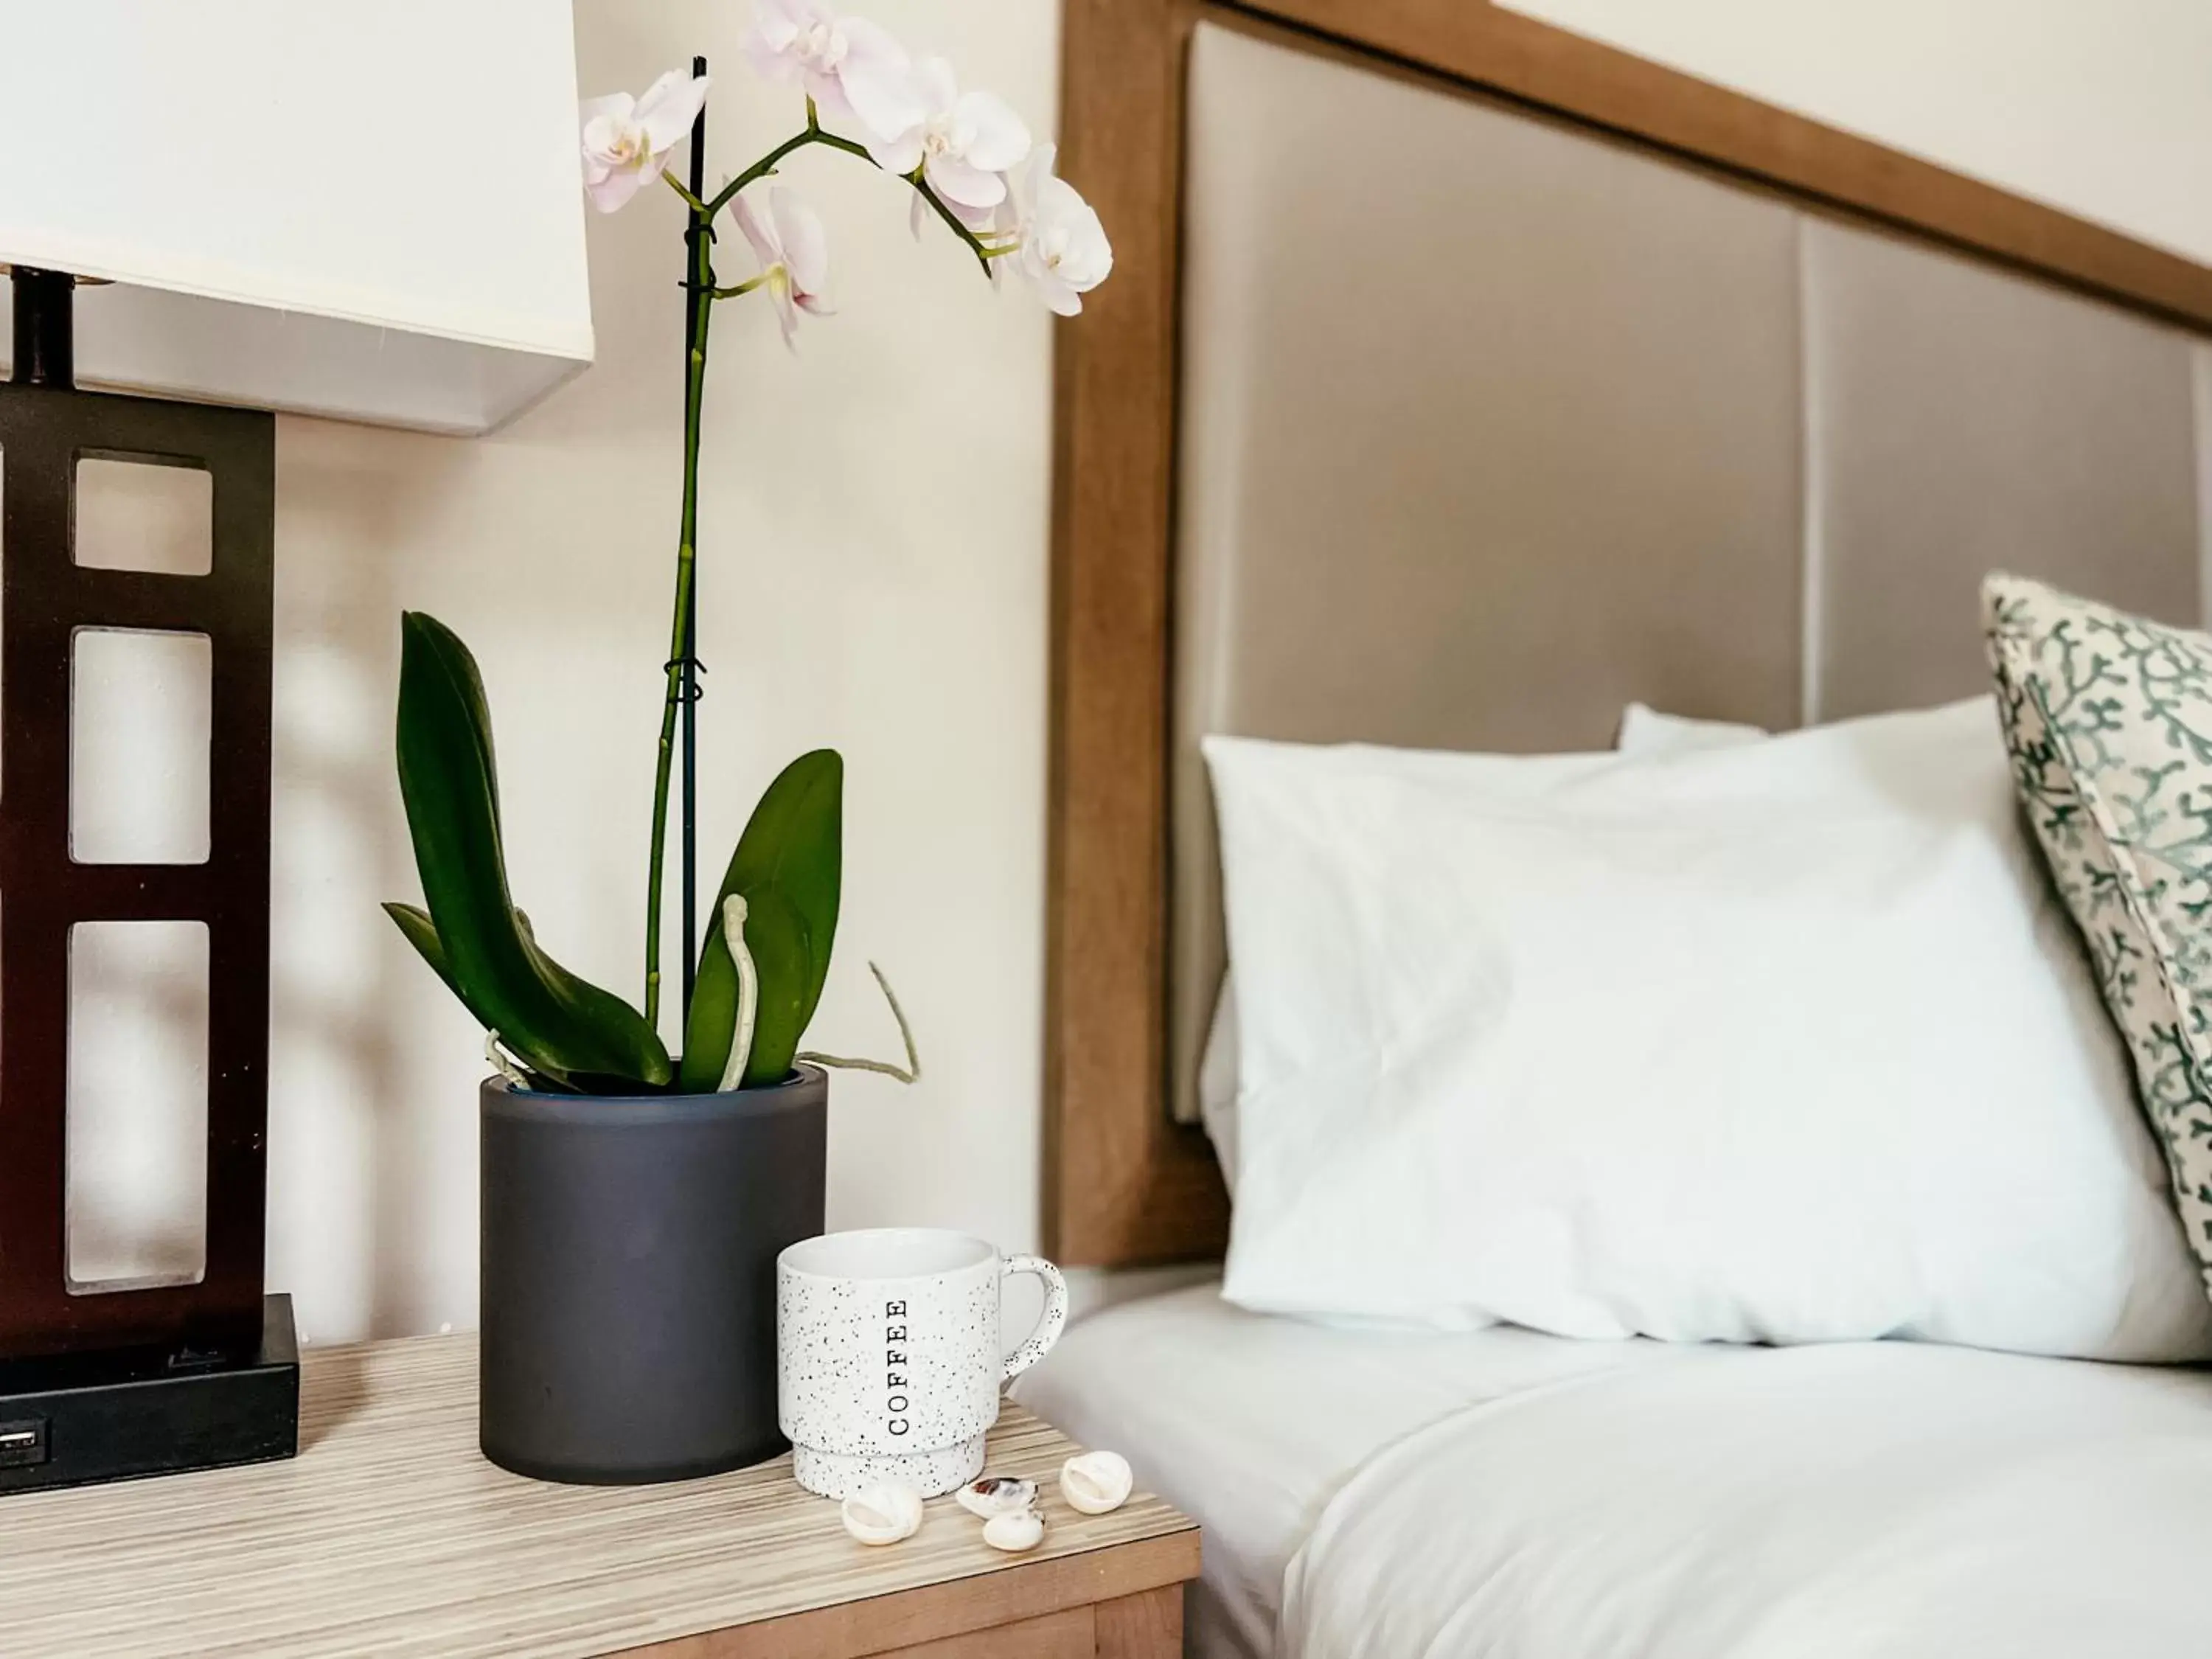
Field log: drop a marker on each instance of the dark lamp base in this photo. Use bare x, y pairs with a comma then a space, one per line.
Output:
82, 1418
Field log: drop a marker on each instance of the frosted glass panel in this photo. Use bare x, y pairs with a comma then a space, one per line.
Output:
140, 719
134, 515
137, 1104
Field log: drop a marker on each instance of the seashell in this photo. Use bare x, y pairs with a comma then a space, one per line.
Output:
1095, 1482
882, 1515
1014, 1531
997, 1494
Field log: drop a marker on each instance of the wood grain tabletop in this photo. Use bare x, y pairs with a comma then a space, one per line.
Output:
390, 1534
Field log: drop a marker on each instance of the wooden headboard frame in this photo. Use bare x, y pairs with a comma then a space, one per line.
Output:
1124, 1184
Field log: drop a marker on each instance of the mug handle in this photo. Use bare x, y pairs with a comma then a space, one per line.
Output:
1055, 1312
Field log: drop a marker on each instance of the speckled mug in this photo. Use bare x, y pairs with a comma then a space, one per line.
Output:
887, 1355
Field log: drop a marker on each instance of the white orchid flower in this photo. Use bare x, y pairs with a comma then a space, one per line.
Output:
856, 74
962, 143
977, 219
795, 256
627, 140
1063, 247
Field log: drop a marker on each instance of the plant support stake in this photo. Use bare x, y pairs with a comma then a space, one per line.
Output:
695, 299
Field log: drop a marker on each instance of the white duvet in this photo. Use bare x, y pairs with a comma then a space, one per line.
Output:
1839, 1502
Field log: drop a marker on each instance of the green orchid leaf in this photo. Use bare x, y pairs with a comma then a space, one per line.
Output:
416, 927
788, 867
552, 1021
415, 924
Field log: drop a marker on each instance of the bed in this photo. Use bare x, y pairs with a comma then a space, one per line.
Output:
1661, 395
1505, 1492
1253, 1425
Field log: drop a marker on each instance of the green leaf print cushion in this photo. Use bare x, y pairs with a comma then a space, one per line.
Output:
2108, 720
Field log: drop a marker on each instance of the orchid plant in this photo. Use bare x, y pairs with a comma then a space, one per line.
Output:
969, 163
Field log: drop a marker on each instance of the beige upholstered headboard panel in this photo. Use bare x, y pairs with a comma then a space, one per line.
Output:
1489, 424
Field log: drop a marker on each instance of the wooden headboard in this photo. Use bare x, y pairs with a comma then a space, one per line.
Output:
1125, 1182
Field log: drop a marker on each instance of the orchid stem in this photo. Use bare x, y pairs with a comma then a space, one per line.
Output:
762, 167
814, 134
677, 185
975, 243
702, 278
695, 385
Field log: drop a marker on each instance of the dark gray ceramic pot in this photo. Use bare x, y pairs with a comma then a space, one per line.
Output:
628, 1275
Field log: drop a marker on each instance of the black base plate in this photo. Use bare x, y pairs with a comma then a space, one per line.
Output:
82, 1418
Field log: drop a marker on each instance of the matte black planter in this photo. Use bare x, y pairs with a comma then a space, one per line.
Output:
629, 1249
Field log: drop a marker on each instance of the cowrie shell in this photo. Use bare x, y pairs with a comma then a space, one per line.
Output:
997, 1494
1014, 1531
1097, 1482
882, 1515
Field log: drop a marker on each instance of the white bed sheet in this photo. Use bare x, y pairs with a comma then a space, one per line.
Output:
1870, 1500
1250, 1423
1386, 1494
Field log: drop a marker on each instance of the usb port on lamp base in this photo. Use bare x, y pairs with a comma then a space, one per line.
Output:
23, 1443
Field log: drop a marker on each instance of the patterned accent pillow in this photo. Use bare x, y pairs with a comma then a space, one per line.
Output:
2108, 720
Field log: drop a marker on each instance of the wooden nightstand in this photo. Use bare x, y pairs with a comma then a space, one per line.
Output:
391, 1535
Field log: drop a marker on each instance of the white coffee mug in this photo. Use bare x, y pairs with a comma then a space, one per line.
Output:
888, 1360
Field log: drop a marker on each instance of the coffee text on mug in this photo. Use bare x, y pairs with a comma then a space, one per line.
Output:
895, 1378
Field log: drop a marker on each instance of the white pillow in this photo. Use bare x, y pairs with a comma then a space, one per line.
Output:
1643, 731
1785, 1042
1217, 1080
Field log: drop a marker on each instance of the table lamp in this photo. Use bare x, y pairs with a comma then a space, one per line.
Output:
211, 213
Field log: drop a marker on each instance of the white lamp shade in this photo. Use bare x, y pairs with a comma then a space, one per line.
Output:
371, 211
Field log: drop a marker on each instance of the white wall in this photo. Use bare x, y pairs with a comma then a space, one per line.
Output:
2102, 107
873, 547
